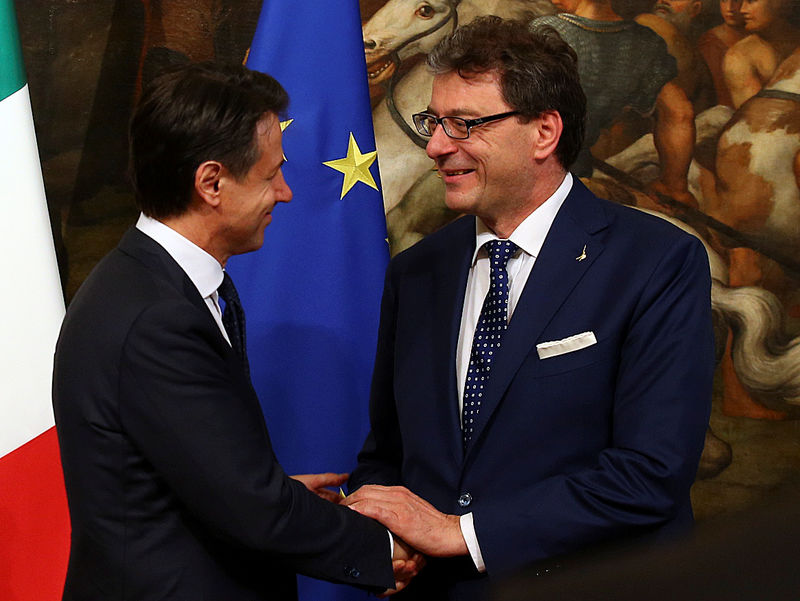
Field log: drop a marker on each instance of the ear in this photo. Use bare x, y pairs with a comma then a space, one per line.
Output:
695, 8
206, 181
549, 128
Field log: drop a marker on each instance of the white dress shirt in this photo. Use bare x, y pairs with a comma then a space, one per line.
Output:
529, 236
203, 270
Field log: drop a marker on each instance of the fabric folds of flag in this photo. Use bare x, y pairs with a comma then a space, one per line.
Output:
312, 293
34, 523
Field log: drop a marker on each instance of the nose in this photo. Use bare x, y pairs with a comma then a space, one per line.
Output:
283, 193
440, 144
370, 44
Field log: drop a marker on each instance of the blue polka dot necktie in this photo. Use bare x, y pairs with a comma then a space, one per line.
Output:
233, 319
492, 324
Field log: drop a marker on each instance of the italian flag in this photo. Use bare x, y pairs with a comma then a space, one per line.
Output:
34, 522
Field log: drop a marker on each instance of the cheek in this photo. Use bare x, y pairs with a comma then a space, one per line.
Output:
266, 195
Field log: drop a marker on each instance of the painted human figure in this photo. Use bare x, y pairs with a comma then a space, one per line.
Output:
676, 21
750, 63
681, 13
624, 64
715, 42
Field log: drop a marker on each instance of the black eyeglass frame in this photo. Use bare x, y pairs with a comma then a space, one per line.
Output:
468, 123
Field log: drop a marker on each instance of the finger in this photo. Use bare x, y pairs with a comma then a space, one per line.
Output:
404, 570
398, 586
327, 479
382, 494
377, 511
328, 495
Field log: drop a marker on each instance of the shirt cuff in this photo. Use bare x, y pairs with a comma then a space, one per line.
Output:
468, 532
391, 545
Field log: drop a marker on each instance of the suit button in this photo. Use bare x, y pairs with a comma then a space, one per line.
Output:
352, 572
465, 500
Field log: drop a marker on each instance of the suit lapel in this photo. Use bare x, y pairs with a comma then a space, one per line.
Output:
143, 248
561, 264
449, 287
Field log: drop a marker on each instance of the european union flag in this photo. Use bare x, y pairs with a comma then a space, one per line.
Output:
312, 293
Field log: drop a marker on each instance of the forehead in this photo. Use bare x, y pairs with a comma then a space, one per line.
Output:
268, 133
268, 129
474, 94
768, 5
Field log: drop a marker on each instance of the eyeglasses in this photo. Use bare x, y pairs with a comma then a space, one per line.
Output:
455, 127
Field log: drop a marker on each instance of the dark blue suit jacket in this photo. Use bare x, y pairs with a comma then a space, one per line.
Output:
173, 487
569, 451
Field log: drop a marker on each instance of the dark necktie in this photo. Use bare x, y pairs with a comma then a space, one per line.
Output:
492, 324
233, 319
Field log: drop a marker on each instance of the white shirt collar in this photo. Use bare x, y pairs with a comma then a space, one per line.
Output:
203, 269
530, 234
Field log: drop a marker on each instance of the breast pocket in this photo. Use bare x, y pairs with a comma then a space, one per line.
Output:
602, 350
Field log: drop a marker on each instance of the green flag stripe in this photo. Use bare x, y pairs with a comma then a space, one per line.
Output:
12, 71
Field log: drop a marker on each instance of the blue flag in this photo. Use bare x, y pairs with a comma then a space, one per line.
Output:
312, 293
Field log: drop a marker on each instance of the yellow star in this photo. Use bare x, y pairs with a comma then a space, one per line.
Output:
284, 125
355, 167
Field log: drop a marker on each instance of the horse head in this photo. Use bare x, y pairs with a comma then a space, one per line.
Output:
403, 28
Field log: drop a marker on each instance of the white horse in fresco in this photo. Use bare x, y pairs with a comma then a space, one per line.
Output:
409, 28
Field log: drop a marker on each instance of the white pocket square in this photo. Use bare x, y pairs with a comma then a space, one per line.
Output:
565, 345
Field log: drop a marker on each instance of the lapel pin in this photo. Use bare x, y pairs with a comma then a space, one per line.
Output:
581, 256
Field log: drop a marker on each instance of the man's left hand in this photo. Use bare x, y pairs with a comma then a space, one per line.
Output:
411, 518
406, 564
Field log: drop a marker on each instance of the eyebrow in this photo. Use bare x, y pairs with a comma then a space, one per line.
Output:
458, 112
274, 171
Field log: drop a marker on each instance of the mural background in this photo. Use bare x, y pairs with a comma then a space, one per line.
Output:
87, 59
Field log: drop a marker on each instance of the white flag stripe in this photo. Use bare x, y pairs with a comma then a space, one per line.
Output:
31, 305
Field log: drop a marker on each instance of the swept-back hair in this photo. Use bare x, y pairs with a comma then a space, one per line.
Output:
190, 114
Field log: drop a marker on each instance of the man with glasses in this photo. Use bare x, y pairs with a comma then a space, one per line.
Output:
543, 374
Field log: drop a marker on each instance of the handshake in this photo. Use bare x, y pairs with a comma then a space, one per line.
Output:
418, 528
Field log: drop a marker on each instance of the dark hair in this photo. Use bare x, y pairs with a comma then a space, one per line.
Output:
193, 113
538, 71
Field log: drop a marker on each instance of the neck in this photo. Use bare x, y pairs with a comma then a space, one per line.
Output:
197, 230
599, 11
504, 225
732, 32
778, 31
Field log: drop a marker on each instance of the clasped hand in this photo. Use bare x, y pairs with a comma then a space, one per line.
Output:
411, 518
406, 561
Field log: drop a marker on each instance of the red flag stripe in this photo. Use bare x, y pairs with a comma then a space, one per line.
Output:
34, 522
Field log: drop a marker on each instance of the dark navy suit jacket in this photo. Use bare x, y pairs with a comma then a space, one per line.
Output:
173, 487
569, 451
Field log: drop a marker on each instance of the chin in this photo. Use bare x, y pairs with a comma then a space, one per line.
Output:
458, 204
253, 245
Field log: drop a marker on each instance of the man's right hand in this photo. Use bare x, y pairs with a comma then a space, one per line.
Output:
411, 517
